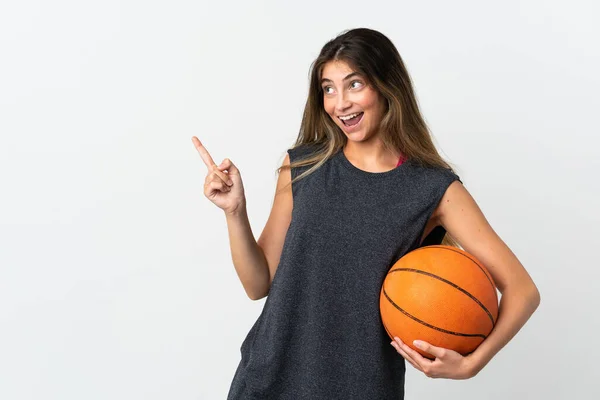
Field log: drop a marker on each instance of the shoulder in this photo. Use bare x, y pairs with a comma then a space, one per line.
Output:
435, 177
454, 196
302, 151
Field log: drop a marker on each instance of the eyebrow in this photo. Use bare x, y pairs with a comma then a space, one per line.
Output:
345, 79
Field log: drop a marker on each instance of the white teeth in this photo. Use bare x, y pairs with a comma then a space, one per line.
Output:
347, 117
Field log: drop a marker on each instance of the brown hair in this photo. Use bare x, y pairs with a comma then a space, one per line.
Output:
402, 127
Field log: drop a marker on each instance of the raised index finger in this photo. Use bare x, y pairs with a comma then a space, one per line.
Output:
204, 153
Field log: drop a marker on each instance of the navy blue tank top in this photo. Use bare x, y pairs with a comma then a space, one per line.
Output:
320, 334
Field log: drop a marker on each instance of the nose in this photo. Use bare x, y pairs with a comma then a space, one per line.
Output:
342, 102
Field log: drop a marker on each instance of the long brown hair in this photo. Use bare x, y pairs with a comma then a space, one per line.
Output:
402, 127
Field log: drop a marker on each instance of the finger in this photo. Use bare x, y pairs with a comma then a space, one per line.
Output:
438, 352
400, 346
219, 186
216, 174
415, 355
406, 357
204, 153
228, 165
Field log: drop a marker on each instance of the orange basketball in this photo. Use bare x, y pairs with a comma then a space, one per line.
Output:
439, 294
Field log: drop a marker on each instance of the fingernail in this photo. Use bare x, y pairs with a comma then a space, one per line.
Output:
417, 343
230, 182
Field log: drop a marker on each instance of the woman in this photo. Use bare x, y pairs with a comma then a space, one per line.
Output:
362, 186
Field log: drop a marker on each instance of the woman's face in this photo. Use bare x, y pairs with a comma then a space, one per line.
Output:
351, 102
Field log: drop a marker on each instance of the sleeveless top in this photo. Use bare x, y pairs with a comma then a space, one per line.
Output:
320, 335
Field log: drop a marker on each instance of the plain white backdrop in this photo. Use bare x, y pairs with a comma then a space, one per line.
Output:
116, 280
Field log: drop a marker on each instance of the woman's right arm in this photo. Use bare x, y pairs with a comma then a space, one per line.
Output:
255, 262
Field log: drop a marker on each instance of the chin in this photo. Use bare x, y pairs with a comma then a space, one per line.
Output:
359, 136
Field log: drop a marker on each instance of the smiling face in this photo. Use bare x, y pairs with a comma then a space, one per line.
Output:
355, 106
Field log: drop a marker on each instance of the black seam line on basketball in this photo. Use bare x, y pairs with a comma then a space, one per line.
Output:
429, 325
475, 299
470, 258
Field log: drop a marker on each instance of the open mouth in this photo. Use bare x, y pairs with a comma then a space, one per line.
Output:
354, 120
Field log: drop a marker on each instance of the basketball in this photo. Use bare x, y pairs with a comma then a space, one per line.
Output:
439, 294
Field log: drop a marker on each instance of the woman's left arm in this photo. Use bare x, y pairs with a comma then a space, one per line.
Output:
462, 218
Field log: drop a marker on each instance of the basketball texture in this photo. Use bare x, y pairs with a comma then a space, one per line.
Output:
442, 295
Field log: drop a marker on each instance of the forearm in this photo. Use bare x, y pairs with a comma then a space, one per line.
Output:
247, 256
516, 306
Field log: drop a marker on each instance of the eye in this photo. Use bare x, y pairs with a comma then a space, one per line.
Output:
357, 82
326, 88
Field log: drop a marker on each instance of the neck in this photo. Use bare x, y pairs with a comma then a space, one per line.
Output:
371, 155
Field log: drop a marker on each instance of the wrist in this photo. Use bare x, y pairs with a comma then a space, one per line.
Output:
236, 212
476, 364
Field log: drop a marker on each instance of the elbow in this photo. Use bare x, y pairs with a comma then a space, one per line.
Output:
256, 296
532, 296
535, 298
258, 287
527, 291
257, 293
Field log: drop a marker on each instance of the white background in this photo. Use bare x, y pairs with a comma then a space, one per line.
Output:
116, 280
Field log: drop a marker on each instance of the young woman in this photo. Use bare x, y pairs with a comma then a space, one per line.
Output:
362, 186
